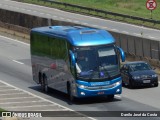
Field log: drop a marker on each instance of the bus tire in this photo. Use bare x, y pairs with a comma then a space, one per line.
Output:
44, 84
69, 89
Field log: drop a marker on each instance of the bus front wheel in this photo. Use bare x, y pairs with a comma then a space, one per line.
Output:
44, 84
69, 89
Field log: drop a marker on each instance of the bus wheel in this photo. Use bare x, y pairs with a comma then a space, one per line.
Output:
71, 97
110, 97
44, 84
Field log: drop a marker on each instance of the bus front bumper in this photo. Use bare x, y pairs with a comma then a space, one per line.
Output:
91, 92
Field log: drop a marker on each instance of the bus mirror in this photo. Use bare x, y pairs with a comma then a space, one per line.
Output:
73, 60
53, 66
121, 53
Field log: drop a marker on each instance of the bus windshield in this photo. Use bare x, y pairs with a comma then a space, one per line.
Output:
96, 63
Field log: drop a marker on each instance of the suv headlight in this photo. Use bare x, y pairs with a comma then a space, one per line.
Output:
136, 77
154, 75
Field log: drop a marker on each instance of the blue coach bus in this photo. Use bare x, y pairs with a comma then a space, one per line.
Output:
79, 61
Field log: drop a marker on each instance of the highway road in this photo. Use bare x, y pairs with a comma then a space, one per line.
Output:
15, 69
56, 14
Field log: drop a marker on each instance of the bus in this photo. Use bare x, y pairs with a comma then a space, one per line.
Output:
79, 61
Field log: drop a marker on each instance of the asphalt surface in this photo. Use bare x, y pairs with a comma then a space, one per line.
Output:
15, 69
55, 14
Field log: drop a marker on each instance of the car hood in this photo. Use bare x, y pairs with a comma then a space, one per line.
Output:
144, 72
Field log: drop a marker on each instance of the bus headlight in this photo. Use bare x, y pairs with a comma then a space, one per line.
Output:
82, 86
117, 83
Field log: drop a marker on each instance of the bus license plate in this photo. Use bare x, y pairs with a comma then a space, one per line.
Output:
146, 81
100, 93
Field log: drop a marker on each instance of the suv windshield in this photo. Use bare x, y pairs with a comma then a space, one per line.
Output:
139, 67
96, 62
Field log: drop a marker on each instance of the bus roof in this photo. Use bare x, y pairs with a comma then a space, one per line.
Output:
78, 35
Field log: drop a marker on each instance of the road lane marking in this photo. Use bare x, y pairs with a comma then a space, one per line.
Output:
93, 25
54, 16
76, 21
48, 14
137, 34
41, 13
6, 103
151, 37
115, 30
17, 62
12, 94
34, 11
104, 27
46, 100
16, 98
14, 40
30, 106
7, 90
125, 32
69, 20
62, 18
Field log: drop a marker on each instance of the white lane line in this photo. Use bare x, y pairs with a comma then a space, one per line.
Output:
16, 98
7, 90
115, 30
14, 40
151, 37
93, 25
17, 62
85, 24
62, 18
23, 9
34, 11
55, 16
69, 20
159, 82
13, 94
36, 96
29, 106
76, 21
104, 27
41, 13
125, 32
137, 34
48, 14
6, 103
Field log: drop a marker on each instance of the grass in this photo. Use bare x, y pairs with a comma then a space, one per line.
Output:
2, 110
128, 7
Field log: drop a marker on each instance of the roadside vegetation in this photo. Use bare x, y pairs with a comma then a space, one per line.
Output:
2, 110
128, 7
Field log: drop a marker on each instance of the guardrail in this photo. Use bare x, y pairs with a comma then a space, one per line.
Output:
98, 12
